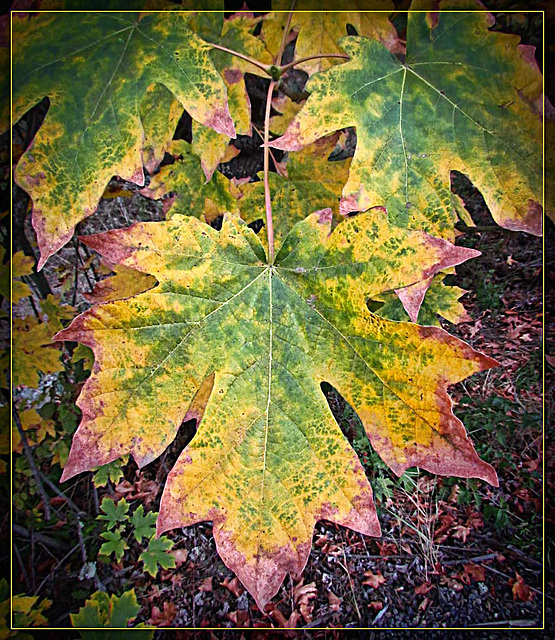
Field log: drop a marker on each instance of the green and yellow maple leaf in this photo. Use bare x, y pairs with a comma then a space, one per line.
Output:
21, 265
123, 284
268, 459
235, 33
320, 24
193, 194
440, 299
96, 69
460, 101
312, 183
33, 351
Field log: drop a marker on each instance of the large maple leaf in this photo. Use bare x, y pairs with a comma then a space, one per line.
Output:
254, 342
96, 68
462, 100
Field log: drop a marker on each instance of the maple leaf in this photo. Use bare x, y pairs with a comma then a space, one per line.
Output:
454, 104
439, 299
96, 69
160, 114
321, 24
123, 284
144, 525
103, 611
21, 265
268, 459
157, 554
113, 513
114, 544
33, 351
235, 34
313, 182
193, 193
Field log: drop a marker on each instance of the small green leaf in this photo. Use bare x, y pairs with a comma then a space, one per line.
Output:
156, 554
104, 611
113, 513
111, 471
145, 526
115, 544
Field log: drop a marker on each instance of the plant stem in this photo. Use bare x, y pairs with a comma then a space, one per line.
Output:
267, 197
320, 55
256, 63
279, 57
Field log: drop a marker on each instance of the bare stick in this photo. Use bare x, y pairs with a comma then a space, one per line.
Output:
60, 493
34, 470
343, 56
256, 63
22, 567
267, 197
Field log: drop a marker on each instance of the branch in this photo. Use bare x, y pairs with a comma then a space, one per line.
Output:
267, 197
263, 67
343, 56
34, 470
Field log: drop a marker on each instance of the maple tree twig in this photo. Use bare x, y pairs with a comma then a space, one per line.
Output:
264, 67
279, 57
284, 67
29, 455
267, 197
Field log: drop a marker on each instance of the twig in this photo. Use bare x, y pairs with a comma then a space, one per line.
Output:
264, 67
39, 537
460, 226
22, 567
34, 470
504, 623
60, 562
487, 556
267, 196
85, 271
95, 497
61, 493
343, 56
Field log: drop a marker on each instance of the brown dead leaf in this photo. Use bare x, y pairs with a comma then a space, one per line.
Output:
521, 591
206, 585
302, 596
233, 586
424, 604
376, 606
472, 573
461, 532
180, 556
373, 580
423, 589
240, 618
163, 618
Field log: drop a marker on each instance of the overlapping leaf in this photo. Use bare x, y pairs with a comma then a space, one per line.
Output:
312, 182
193, 195
461, 101
96, 68
234, 33
320, 24
268, 459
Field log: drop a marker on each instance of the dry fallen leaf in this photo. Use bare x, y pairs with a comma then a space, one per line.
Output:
521, 591
423, 589
373, 580
234, 586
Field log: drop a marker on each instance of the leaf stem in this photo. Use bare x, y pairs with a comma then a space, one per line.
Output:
264, 67
267, 196
279, 57
284, 67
